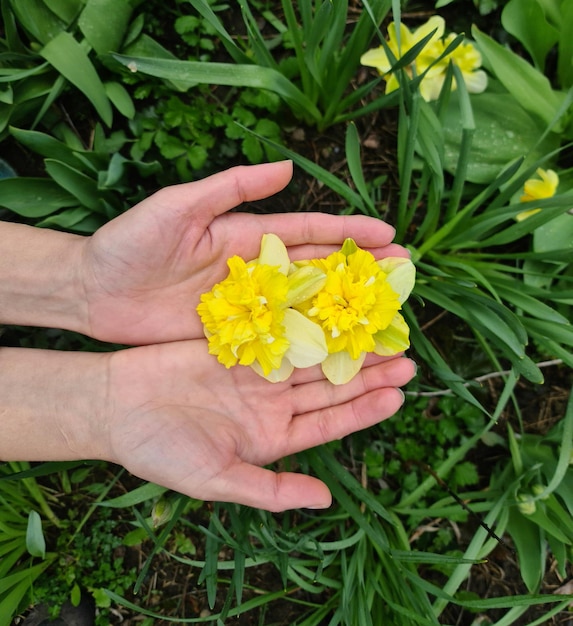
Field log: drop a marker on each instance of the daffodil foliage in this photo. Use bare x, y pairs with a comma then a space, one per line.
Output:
274, 315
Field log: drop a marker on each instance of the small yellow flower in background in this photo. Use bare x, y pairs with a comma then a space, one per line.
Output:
249, 320
538, 189
465, 56
358, 308
378, 58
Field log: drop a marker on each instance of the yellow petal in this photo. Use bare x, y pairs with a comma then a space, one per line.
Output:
393, 339
400, 274
340, 368
304, 283
278, 375
436, 23
307, 342
273, 252
377, 58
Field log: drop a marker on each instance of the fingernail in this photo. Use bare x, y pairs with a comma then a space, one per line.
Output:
316, 507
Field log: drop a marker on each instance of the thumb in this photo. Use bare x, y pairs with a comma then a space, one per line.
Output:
264, 489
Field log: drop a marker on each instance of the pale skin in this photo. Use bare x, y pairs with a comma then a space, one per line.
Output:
169, 412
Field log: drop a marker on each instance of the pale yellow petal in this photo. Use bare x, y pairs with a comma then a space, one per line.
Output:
393, 339
304, 283
431, 86
525, 214
437, 23
400, 274
476, 82
277, 375
307, 341
377, 58
339, 368
274, 253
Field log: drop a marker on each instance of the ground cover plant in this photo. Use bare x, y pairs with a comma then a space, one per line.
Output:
459, 509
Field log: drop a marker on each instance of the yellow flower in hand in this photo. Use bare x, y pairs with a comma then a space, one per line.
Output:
358, 308
538, 189
249, 320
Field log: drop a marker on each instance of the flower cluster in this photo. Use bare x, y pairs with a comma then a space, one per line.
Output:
430, 61
274, 315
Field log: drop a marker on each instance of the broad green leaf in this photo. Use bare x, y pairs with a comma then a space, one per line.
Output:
527, 85
120, 98
223, 74
68, 219
34, 16
76, 183
526, 21
565, 46
67, 56
44, 144
33, 197
504, 131
102, 33
66, 10
557, 234
35, 542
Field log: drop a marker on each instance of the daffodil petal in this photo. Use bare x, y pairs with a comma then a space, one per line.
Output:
437, 23
307, 342
304, 283
273, 252
278, 375
525, 214
394, 339
377, 58
400, 274
339, 368
476, 82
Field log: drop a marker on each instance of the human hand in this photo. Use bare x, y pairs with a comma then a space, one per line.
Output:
176, 417
142, 274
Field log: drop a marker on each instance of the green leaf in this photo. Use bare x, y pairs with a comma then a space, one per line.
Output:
147, 491
504, 131
33, 197
526, 21
120, 99
35, 542
75, 182
37, 19
67, 56
527, 85
102, 33
223, 74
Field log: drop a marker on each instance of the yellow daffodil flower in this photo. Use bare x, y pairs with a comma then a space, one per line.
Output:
402, 43
465, 56
538, 189
249, 320
358, 308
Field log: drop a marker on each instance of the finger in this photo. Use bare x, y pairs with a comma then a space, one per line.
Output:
309, 251
321, 394
301, 376
226, 190
298, 229
261, 488
334, 422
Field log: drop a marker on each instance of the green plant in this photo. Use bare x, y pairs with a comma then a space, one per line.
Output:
91, 560
540, 473
86, 188
313, 81
23, 555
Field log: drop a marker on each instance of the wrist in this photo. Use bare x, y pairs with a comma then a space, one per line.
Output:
40, 283
53, 405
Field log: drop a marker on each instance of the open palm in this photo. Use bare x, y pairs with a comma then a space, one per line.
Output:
143, 273
182, 420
